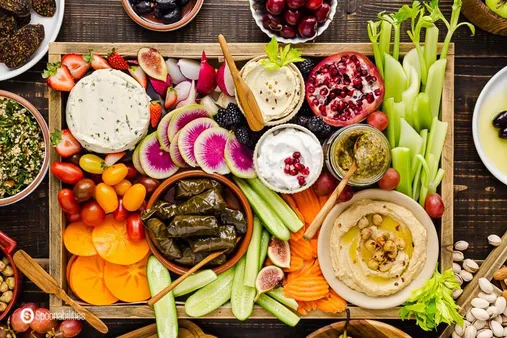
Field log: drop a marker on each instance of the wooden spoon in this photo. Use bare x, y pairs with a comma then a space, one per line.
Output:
319, 219
245, 95
48, 284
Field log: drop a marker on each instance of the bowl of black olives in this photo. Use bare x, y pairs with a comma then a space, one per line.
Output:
162, 15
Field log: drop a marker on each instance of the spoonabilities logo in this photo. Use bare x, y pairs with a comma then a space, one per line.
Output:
27, 315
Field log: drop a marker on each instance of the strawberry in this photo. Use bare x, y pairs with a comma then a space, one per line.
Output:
96, 61
59, 77
170, 98
64, 142
138, 73
117, 61
155, 113
76, 64
113, 158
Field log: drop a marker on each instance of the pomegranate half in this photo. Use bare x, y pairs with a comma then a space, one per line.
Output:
344, 88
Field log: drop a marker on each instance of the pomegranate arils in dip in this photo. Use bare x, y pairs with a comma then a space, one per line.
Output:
294, 167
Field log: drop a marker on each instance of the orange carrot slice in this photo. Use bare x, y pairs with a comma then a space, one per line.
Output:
128, 282
313, 244
296, 263
332, 304
77, 238
301, 248
308, 204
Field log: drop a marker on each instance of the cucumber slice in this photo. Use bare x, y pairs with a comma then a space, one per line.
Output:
278, 310
166, 314
279, 295
210, 297
195, 282
264, 247
270, 220
242, 298
253, 255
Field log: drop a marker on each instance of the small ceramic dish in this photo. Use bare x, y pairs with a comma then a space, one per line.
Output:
275, 130
7, 246
359, 298
45, 134
150, 22
232, 195
257, 9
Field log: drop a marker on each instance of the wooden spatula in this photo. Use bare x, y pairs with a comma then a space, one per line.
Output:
245, 95
48, 284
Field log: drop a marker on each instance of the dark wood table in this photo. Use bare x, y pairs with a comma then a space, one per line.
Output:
480, 200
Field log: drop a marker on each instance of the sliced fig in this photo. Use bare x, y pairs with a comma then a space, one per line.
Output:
207, 81
184, 115
190, 68
174, 151
210, 104
174, 71
155, 162
136, 161
160, 87
279, 252
269, 277
152, 62
239, 158
189, 135
162, 129
209, 151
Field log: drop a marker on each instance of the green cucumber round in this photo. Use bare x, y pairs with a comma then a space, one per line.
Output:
278, 310
195, 282
242, 297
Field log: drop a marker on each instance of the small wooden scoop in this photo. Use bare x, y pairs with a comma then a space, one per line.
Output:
48, 284
246, 97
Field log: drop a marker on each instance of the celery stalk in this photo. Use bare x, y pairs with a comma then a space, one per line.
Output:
395, 80
393, 121
424, 180
452, 25
432, 165
436, 138
374, 35
435, 85
411, 59
385, 37
401, 162
422, 195
436, 181
430, 46
409, 138
409, 95
421, 112
416, 182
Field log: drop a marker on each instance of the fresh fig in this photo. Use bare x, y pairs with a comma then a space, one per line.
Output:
153, 63
269, 277
279, 252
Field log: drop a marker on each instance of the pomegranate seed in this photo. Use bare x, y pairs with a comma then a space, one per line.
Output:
323, 91
342, 69
322, 109
311, 89
370, 98
296, 154
364, 72
377, 92
334, 106
299, 166
346, 82
332, 95
315, 101
374, 78
368, 78
306, 171
326, 82
353, 58
324, 70
351, 92
287, 171
343, 59
293, 172
288, 160
301, 180
333, 71
343, 93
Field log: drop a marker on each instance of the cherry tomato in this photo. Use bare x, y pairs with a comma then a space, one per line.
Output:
67, 201
378, 120
122, 187
115, 174
434, 205
74, 159
106, 197
84, 190
66, 172
390, 180
120, 214
149, 183
143, 206
346, 194
135, 227
92, 214
132, 172
69, 328
71, 218
92, 164
134, 197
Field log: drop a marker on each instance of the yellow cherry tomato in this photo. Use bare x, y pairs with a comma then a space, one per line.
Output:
115, 174
134, 197
122, 187
106, 197
92, 164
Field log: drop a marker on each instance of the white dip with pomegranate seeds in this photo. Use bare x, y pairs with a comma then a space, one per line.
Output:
286, 145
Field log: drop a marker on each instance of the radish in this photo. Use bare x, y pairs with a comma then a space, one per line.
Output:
210, 104
190, 68
207, 77
225, 81
224, 100
160, 87
182, 90
174, 71
192, 95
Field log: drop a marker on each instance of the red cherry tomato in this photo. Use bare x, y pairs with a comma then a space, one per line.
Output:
378, 120
149, 183
67, 201
434, 205
120, 214
132, 173
71, 218
390, 180
67, 172
92, 214
135, 227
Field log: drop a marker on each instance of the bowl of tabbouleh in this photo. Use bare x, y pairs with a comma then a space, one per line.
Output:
24, 148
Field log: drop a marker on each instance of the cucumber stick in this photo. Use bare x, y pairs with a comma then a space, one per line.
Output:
278, 310
210, 297
264, 247
277, 204
279, 295
268, 217
242, 297
195, 282
253, 255
165, 309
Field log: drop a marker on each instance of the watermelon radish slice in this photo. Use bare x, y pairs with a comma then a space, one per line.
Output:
136, 161
188, 136
239, 158
162, 132
182, 116
209, 150
174, 151
156, 162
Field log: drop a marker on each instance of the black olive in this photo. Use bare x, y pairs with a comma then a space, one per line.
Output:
182, 3
166, 5
500, 120
503, 132
143, 7
173, 16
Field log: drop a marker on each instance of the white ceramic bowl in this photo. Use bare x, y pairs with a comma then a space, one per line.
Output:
359, 298
51, 28
257, 15
496, 85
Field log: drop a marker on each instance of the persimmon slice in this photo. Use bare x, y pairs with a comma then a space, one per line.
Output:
87, 280
128, 282
112, 243
71, 261
78, 239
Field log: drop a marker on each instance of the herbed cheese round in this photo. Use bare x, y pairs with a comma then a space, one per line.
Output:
108, 111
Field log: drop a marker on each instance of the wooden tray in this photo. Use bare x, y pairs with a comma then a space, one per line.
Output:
241, 51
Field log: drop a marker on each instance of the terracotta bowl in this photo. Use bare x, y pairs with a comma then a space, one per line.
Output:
188, 14
480, 15
7, 246
45, 134
235, 196
360, 328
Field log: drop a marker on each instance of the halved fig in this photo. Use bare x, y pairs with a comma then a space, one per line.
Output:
279, 252
153, 63
269, 277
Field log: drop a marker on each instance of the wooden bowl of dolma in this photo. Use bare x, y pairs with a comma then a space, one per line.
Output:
192, 214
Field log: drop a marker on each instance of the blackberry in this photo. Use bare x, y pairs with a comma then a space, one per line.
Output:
227, 118
300, 120
305, 110
315, 124
326, 131
243, 134
305, 67
236, 114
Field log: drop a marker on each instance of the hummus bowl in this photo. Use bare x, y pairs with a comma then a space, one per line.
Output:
421, 263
